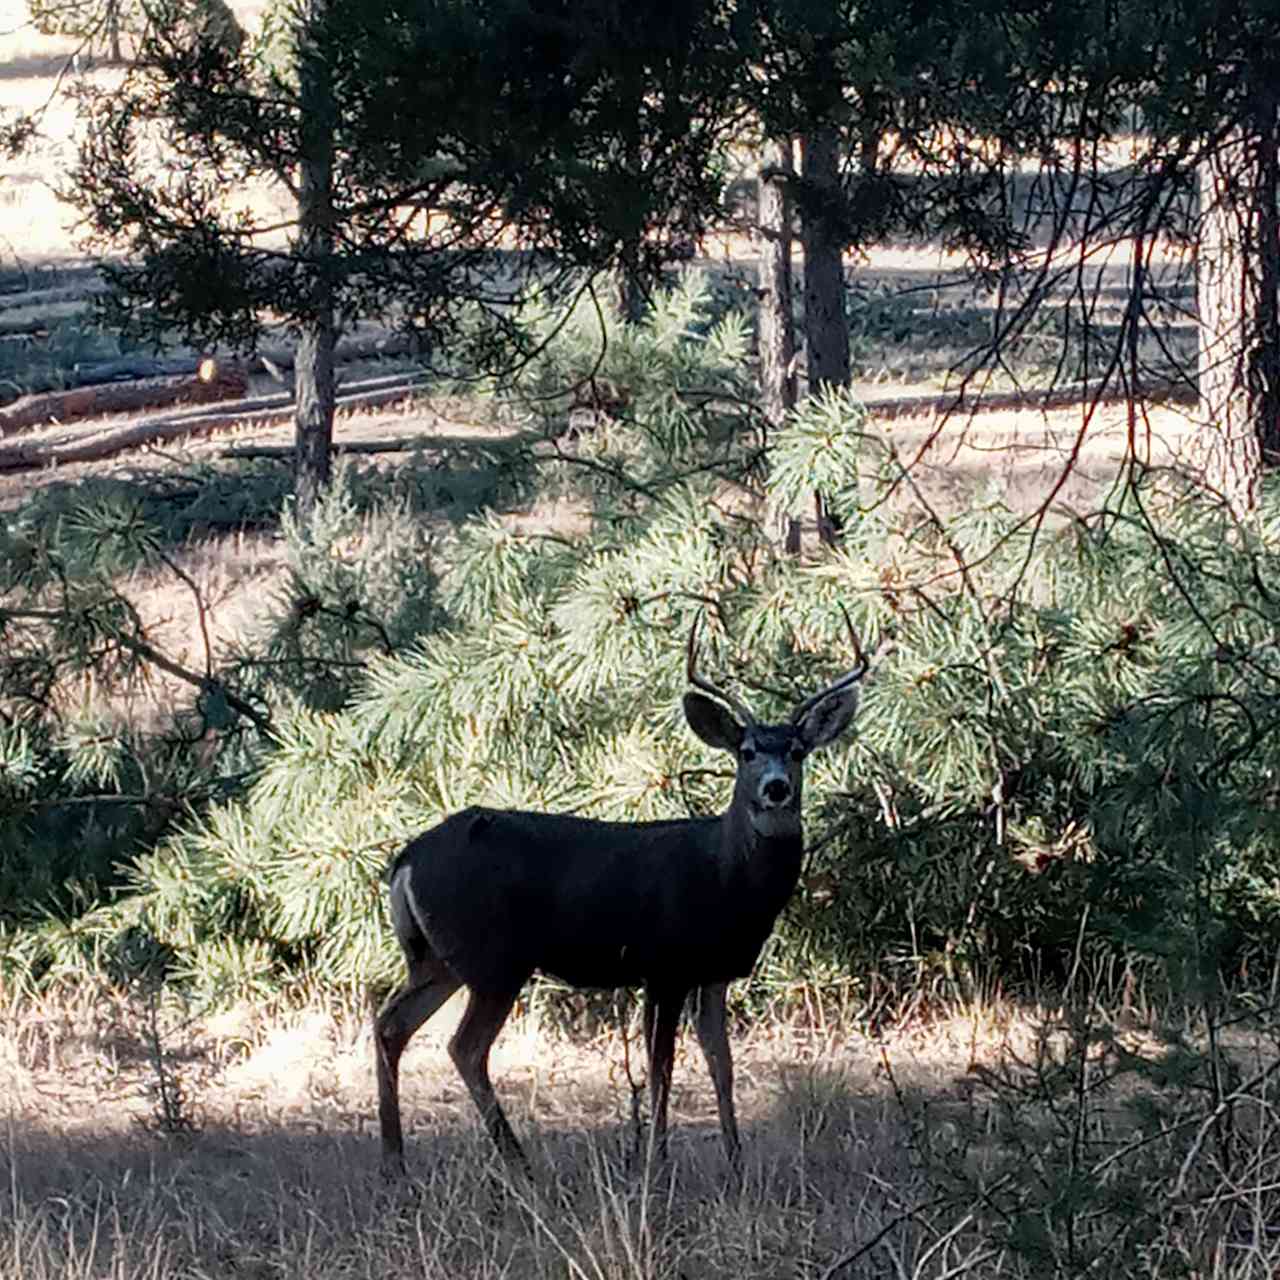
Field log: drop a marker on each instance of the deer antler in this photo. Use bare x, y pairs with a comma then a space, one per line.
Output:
844, 682
691, 672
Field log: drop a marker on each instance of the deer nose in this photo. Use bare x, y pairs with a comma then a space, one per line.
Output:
776, 791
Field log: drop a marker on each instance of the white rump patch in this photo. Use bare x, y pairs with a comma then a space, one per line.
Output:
406, 912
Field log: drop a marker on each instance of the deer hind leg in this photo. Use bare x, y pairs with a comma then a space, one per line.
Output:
662, 1011
485, 1015
714, 1039
429, 986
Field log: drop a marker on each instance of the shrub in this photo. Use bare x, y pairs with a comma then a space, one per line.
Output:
1071, 744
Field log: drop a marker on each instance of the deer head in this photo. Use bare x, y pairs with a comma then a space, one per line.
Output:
770, 757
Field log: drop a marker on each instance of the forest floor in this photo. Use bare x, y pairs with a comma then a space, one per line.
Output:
144, 1141
141, 1143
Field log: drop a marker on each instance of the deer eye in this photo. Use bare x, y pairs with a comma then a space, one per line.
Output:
747, 754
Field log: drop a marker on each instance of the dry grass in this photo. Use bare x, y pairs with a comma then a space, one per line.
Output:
1026, 457
35, 72
234, 576
275, 1175
34, 224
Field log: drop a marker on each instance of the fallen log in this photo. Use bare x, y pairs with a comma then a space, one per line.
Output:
211, 383
127, 368
282, 452
41, 325
79, 445
357, 346
274, 357
25, 299
954, 403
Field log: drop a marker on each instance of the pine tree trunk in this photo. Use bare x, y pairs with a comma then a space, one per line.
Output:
317, 330
775, 323
313, 418
776, 335
1237, 276
114, 50
1265, 367
826, 328
628, 295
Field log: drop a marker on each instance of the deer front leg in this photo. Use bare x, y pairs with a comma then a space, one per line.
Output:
714, 1039
662, 1011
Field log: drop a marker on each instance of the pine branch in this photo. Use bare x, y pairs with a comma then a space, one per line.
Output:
151, 654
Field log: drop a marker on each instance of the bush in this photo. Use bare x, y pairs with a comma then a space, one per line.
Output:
90, 773
1048, 745
1071, 744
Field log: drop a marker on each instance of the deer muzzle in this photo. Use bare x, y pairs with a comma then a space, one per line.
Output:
774, 793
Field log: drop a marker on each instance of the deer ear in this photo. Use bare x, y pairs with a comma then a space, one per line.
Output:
828, 719
712, 723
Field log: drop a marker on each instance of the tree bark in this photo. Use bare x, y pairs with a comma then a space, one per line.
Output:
313, 417
1237, 277
317, 329
628, 292
112, 23
826, 326
775, 316
776, 331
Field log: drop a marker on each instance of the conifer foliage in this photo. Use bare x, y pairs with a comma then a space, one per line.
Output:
1076, 723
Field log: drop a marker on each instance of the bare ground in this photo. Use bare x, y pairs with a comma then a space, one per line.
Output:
276, 1175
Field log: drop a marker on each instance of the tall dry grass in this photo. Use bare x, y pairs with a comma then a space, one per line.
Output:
273, 1170
276, 1174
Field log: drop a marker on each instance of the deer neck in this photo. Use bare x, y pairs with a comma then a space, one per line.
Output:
761, 846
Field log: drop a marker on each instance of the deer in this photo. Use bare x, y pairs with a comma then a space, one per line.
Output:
489, 897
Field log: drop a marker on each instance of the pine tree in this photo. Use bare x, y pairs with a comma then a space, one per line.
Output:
441, 161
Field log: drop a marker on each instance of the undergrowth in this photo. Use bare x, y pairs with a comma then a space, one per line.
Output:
1073, 1143
1076, 722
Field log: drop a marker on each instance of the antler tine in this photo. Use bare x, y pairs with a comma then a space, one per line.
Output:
853, 636
691, 673
845, 681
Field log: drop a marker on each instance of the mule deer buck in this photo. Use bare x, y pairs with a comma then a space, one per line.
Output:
491, 896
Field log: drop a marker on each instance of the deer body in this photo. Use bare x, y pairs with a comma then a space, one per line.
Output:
489, 897
595, 904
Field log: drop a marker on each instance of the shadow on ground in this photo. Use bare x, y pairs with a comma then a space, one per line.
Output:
178, 500
303, 1197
